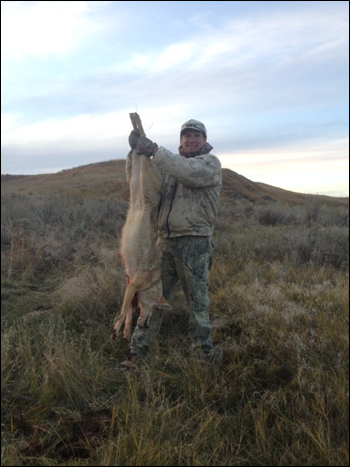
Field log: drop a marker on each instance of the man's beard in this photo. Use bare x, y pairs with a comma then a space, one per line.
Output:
203, 150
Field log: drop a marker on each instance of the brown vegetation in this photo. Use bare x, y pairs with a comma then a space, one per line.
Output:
277, 390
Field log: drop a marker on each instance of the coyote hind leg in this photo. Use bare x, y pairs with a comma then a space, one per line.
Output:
125, 316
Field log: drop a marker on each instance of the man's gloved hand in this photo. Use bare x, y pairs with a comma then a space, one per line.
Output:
145, 146
133, 137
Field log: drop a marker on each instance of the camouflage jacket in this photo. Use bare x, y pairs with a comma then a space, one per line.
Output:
191, 188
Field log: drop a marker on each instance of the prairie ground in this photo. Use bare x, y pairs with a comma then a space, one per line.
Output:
277, 390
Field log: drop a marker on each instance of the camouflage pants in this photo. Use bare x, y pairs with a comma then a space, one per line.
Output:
185, 259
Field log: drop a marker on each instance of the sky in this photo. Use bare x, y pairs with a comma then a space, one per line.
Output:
269, 79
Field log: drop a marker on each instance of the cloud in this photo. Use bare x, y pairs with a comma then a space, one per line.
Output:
43, 28
87, 127
84, 139
279, 38
296, 166
170, 57
84, 128
259, 74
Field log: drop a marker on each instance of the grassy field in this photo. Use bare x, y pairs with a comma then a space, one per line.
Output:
277, 391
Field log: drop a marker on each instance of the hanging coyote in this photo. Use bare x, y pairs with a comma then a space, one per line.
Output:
140, 254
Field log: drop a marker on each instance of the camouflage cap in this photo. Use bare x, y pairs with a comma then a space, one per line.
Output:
193, 125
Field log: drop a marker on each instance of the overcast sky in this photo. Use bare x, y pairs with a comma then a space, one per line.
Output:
268, 79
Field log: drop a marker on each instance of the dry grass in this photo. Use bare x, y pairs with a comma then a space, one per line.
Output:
277, 390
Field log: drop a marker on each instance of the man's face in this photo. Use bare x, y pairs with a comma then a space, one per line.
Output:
192, 141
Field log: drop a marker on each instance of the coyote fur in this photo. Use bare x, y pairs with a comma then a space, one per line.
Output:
139, 251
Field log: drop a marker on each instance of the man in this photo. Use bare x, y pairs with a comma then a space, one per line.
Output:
187, 214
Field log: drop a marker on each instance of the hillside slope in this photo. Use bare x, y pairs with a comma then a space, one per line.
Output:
104, 178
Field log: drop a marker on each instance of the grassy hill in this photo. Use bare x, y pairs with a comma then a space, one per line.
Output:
108, 177
276, 392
